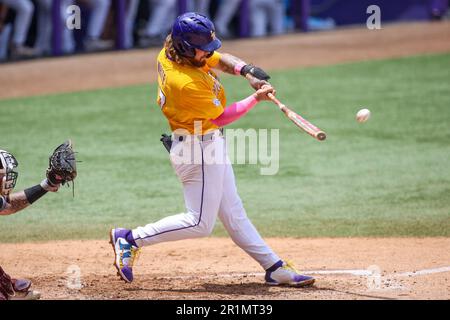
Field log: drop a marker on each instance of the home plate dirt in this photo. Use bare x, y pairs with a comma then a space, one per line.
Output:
215, 268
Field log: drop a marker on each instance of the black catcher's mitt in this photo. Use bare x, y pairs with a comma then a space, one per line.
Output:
62, 165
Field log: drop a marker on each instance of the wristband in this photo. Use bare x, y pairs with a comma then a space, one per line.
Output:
238, 68
34, 193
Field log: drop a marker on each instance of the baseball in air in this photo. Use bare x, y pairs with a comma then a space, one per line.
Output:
363, 115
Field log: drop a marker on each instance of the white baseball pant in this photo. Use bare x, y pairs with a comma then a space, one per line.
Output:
209, 191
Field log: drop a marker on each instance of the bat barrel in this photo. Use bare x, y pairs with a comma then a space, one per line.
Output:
300, 122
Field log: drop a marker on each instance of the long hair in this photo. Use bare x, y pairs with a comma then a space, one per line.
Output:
173, 54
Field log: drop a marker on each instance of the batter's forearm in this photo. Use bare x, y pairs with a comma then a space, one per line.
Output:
233, 65
228, 63
236, 111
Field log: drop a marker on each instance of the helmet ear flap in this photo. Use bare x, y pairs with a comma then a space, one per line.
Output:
184, 49
192, 52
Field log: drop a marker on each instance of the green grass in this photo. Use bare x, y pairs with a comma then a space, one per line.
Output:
387, 177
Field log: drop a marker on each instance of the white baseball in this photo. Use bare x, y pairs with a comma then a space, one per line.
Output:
363, 115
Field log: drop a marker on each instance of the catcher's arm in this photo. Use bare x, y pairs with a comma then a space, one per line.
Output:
62, 169
257, 77
13, 203
17, 201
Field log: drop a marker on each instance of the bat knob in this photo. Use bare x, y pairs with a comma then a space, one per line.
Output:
321, 136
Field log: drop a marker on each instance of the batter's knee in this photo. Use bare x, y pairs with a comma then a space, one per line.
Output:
201, 224
203, 229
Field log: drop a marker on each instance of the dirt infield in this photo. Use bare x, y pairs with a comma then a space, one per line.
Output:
138, 66
215, 268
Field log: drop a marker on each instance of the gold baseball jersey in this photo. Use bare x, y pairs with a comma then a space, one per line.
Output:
189, 95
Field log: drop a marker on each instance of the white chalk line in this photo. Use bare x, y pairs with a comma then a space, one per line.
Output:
356, 272
353, 272
424, 272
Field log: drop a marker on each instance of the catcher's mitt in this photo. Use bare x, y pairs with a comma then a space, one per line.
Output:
62, 165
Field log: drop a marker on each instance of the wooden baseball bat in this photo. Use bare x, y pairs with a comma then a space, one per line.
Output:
299, 121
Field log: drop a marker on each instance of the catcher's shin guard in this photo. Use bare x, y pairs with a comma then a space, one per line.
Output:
6, 284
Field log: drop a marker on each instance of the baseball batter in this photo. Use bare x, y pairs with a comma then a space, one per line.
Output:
193, 100
62, 168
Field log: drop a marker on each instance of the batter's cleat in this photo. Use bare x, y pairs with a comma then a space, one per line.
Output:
125, 254
284, 273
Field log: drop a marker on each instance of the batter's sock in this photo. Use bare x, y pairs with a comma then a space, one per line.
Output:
275, 266
130, 239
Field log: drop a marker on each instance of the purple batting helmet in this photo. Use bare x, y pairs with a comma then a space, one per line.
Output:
194, 31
